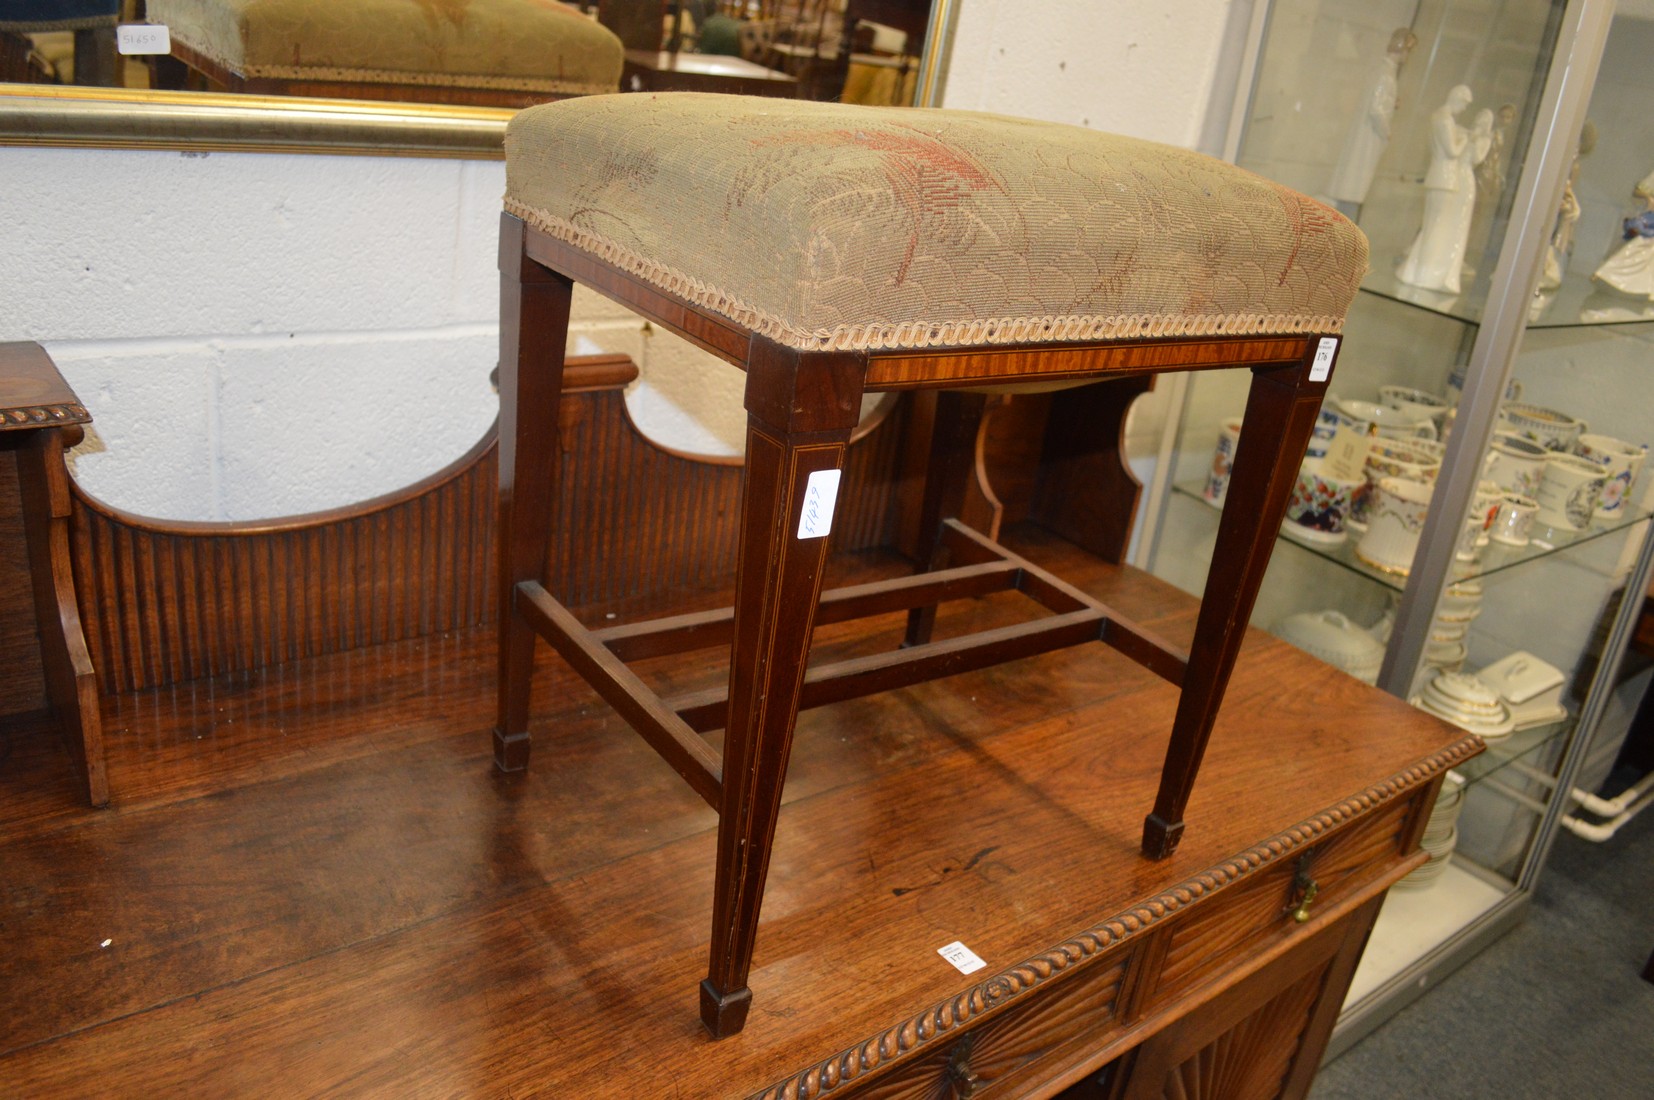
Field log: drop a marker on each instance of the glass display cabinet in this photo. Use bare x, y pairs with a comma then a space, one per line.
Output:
1475, 558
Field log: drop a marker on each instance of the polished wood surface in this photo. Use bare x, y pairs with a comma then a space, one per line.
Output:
313, 876
662, 71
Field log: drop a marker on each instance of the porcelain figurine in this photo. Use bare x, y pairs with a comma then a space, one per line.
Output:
1436, 259
1490, 173
1567, 217
1631, 269
1370, 134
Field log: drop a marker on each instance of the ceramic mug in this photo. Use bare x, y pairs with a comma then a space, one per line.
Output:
1568, 492
1620, 462
1513, 520
1515, 464
1223, 461
1418, 404
1395, 519
1552, 430
1418, 459
1319, 508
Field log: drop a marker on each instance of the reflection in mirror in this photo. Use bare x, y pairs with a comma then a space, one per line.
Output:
492, 53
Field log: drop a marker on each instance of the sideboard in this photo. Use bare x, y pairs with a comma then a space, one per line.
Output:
309, 875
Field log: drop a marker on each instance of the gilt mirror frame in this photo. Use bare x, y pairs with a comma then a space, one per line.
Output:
119, 118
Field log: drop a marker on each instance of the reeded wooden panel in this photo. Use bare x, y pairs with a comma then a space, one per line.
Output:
1251, 1060
166, 602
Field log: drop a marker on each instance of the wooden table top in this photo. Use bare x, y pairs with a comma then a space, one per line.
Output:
32, 392
314, 879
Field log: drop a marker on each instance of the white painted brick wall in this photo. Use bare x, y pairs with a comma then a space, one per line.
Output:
268, 334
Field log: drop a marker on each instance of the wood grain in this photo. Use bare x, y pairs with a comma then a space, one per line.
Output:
359, 905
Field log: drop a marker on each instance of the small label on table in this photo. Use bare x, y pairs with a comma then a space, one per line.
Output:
133, 38
1321, 365
963, 958
820, 495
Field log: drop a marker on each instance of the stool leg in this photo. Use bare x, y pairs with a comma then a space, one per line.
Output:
1283, 403
534, 321
800, 412
957, 424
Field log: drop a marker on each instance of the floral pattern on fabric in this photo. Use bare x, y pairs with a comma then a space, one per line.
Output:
832, 226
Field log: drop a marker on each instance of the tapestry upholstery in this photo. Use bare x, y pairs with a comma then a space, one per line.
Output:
507, 45
58, 15
830, 226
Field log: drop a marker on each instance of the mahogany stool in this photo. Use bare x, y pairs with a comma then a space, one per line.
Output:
831, 250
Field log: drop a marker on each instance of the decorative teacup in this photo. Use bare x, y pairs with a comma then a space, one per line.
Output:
1418, 404
1552, 430
1223, 460
1319, 507
1515, 464
1390, 423
1620, 462
1394, 521
1568, 492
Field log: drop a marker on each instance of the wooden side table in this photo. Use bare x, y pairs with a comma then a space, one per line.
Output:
40, 418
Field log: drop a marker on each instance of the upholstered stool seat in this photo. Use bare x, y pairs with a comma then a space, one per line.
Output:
829, 251
493, 52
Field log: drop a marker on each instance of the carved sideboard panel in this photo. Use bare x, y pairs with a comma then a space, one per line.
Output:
167, 601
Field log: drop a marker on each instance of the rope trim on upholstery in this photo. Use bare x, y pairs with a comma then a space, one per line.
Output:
401, 76
85, 23
976, 332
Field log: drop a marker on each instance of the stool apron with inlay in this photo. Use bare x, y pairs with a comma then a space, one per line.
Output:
831, 251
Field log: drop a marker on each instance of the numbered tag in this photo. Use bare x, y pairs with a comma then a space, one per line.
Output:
1321, 366
963, 958
820, 496
135, 38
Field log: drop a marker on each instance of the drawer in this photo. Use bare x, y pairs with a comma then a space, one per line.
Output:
1078, 1011
1256, 911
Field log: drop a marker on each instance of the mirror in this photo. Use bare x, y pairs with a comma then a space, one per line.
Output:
217, 88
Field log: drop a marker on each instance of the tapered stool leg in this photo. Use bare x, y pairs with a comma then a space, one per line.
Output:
534, 321
800, 412
953, 439
1284, 403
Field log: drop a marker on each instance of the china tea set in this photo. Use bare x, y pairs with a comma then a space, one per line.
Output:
1545, 473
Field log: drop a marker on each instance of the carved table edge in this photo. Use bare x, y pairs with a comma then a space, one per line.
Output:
993, 994
37, 416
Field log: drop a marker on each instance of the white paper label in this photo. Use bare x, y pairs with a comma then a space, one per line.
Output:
962, 957
143, 38
820, 495
1321, 365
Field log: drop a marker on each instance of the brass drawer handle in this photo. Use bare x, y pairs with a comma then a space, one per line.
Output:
961, 1078
1301, 914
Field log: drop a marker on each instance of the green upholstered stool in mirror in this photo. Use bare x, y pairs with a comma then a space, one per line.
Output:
496, 53
830, 251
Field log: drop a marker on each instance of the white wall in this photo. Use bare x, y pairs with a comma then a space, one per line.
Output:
266, 334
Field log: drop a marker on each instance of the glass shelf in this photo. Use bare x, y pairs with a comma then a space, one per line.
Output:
1493, 558
1577, 303
1524, 745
